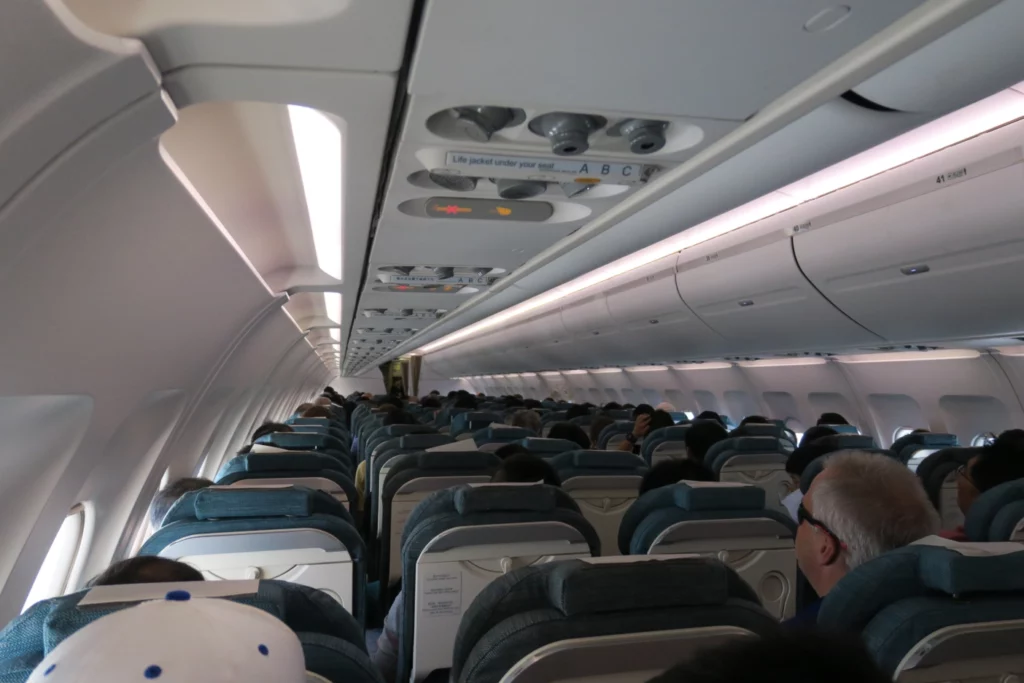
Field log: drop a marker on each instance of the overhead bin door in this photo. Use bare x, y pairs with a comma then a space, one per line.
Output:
928, 264
757, 299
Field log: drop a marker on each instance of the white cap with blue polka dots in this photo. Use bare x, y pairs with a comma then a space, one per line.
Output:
180, 640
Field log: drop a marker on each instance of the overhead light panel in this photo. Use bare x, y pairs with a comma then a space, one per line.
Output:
717, 365
906, 356
332, 301
318, 148
782, 362
605, 371
646, 368
983, 116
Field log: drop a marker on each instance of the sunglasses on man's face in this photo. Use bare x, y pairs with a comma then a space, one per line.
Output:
804, 515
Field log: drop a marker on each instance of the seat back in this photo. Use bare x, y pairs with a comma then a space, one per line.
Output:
274, 470
464, 424
937, 472
997, 514
913, 448
458, 541
776, 429
604, 484
756, 460
412, 478
546, 448
297, 441
609, 619
293, 534
386, 434
332, 639
380, 465
614, 434
814, 468
936, 610
491, 439
728, 521
664, 444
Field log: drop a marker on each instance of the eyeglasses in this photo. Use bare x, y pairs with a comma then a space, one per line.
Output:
962, 472
804, 515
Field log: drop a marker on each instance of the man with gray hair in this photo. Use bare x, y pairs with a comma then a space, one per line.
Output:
860, 506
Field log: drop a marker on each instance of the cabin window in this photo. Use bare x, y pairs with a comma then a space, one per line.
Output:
202, 466
983, 439
52, 579
901, 432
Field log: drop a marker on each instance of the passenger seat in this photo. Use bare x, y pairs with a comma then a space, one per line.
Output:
914, 448
665, 444
546, 448
756, 460
313, 470
291, 533
937, 472
609, 619
604, 484
458, 540
997, 514
728, 521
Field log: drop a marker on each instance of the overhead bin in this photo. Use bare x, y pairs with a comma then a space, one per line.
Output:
754, 296
972, 61
941, 258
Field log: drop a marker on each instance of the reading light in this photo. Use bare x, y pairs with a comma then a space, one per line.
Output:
949, 130
332, 301
318, 148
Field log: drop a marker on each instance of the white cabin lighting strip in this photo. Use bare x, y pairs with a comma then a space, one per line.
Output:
318, 148
973, 120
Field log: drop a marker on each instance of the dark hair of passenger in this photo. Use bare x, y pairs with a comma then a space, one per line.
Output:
701, 436
452, 394
807, 452
921, 431
816, 432
392, 400
783, 657
611, 406
303, 407
167, 497
525, 468
567, 430
576, 410
510, 449
271, 428
398, 417
832, 419
670, 472
628, 406
465, 401
1000, 462
435, 392
316, 411
513, 402
643, 409
755, 420
531, 404
596, 427
711, 415
146, 569
430, 402
659, 419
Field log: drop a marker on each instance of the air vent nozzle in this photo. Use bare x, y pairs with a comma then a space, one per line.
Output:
480, 122
568, 133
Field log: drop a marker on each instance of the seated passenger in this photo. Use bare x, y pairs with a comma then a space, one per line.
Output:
596, 427
146, 569
860, 506
809, 657
511, 449
996, 464
800, 458
322, 401
611, 405
701, 436
521, 468
711, 415
754, 420
465, 401
832, 419
642, 409
175, 640
571, 432
670, 472
576, 410
431, 402
532, 404
644, 425
316, 411
303, 407
666, 406
167, 497
527, 419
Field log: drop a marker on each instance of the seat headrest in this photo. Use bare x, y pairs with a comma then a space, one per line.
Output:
530, 498
240, 503
300, 440
402, 430
420, 441
985, 518
610, 460
540, 445
815, 467
297, 461
695, 496
963, 568
451, 460
674, 433
580, 588
720, 452
842, 429
927, 439
501, 434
